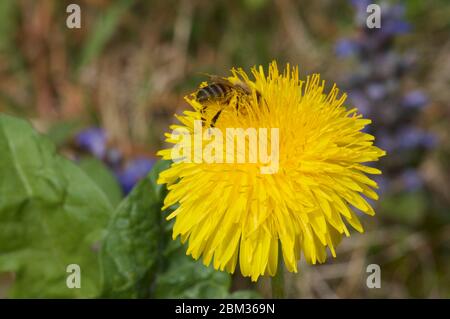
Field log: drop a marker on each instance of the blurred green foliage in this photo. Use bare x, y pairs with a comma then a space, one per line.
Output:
103, 177
104, 29
51, 216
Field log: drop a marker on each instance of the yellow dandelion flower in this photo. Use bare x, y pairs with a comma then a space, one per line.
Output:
234, 211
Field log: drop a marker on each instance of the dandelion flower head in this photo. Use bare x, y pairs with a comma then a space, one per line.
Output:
231, 212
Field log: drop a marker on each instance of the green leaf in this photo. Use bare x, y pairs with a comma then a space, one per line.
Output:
103, 177
184, 277
51, 215
131, 249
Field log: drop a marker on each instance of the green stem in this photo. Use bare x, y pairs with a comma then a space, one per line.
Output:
278, 281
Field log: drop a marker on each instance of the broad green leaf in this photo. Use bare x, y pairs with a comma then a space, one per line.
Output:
51, 215
184, 277
103, 177
131, 249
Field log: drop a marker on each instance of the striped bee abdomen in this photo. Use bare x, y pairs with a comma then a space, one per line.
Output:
212, 91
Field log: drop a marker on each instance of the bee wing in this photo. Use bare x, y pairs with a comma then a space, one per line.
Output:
216, 78
224, 81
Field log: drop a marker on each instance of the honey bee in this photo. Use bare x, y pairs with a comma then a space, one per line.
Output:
221, 89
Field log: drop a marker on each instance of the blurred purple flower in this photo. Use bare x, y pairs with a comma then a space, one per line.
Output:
360, 101
411, 180
386, 64
376, 91
386, 141
397, 10
395, 27
360, 7
412, 137
375, 84
92, 140
429, 140
346, 47
415, 99
133, 171
360, 4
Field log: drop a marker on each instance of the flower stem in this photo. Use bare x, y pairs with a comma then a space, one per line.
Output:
278, 282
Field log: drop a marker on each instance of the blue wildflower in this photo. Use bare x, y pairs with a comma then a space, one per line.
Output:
133, 171
92, 140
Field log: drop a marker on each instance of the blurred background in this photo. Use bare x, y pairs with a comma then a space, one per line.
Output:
106, 93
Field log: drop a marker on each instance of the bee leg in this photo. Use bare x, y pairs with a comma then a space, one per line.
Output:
260, 99
236, 104
215, 118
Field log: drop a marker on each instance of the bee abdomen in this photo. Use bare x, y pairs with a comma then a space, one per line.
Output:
212, 91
